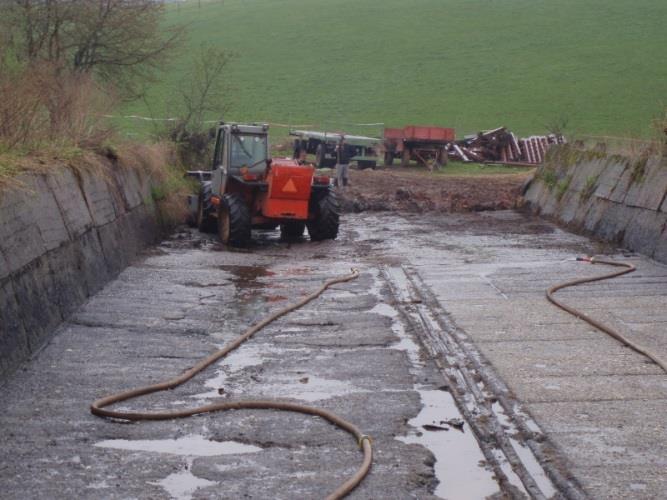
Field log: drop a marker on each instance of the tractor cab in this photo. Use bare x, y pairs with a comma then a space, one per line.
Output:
240, 147
247, 189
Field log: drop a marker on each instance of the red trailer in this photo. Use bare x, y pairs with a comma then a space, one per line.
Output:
425, 145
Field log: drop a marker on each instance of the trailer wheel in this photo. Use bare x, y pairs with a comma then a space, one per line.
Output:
444, 157
320, 156
405, 158
388, 158
234, 221
326, 218
363, 164
292, 230
204, 221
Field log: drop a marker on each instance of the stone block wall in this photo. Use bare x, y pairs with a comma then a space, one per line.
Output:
63, 236
616, 198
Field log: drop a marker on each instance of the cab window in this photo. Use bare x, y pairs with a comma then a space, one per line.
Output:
247, 150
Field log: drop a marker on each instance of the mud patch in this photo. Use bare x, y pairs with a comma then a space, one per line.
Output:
409, 191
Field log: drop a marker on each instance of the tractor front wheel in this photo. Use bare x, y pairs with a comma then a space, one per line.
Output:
324, 224
234, 221
292, 230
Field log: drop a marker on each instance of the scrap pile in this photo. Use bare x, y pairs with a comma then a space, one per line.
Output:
502, 146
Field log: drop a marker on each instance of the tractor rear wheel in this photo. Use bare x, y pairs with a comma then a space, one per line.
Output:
234, 221
292, 230
324, 224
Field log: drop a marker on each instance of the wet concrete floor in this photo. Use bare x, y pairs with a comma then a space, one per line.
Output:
444, 351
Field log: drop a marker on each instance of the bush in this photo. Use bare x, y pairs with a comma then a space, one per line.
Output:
43, 103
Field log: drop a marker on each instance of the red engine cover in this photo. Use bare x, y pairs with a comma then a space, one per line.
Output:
289, 190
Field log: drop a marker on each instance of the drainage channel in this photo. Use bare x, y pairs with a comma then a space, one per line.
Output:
514, 465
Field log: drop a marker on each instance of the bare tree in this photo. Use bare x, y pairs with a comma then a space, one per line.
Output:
203, 91
202, 95
120, 41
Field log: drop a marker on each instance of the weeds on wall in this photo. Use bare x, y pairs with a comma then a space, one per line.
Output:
639, 170
562, 187
589, 188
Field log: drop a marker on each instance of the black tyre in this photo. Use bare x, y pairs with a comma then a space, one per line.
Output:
297, 149
363, 164
234, 221
326, 211
405, 159
204, 221
388, 159
292, 230
444, 157
321, 160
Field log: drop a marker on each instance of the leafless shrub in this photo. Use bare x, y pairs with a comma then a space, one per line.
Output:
558, 125
201, 94
43, 103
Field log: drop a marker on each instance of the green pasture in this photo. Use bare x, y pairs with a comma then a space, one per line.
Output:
600, 65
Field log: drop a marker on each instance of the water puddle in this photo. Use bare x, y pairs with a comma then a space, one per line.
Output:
534, 468
384, 310
191, 446
243, 357
406, 344
524, 453
309, 388
244, 276
457, 454
183, 484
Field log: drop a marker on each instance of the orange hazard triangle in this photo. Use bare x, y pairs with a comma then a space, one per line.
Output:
289, 187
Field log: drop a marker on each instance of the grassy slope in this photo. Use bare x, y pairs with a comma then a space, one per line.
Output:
470, 64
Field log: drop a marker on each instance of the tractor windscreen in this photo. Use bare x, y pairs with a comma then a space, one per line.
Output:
248, 150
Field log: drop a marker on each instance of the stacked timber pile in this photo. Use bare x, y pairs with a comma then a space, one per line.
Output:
502, 146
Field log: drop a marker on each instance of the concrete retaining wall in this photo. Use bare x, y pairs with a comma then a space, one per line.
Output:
63, 235
616, 198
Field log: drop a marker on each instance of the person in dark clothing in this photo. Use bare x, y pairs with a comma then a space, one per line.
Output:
343, 163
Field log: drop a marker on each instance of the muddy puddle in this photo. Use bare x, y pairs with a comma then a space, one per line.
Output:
191, 446
182, 485
457, 454
247, 276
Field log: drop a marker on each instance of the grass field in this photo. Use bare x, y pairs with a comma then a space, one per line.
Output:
470, 64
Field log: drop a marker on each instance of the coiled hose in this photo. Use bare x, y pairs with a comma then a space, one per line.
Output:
627, 268
364, 441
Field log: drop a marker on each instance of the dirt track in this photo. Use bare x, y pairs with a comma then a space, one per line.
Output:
410, 191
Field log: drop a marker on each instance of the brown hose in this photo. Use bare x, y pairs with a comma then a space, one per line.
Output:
628, 268
364, 442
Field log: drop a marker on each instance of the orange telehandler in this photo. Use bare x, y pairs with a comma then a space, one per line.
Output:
246, 189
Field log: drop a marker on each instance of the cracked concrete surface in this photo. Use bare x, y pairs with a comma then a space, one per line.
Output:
598, 407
